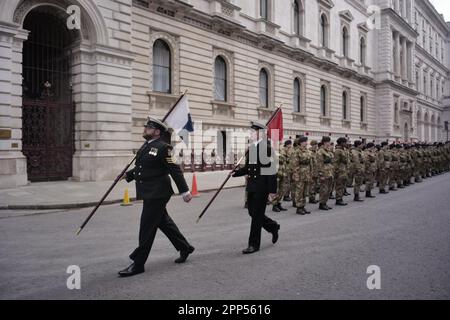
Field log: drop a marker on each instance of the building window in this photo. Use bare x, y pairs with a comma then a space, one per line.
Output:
264, 88
362, 109
297, 95
323, 101
161, 67
323, 30
345, 41
298, 17
396, 113
424, 84
220, 79
264, 9
362, 51
345, 105
432, 88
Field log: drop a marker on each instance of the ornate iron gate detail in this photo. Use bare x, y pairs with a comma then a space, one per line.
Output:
48, 112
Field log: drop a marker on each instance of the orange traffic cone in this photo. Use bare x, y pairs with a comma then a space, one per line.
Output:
126, 199
194, 191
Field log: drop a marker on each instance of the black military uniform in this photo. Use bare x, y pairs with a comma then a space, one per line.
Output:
259, 185
154, 164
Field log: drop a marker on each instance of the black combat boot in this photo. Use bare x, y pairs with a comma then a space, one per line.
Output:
340, 202
275, 208
313, 200
357, 198
323, 206
369, 194
281, 208
287, 198
301, 211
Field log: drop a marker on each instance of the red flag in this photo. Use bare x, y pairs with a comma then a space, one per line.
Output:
276, 123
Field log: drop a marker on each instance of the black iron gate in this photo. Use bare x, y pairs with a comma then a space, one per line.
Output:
48, 111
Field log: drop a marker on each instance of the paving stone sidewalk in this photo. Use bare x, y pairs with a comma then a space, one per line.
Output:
73, 194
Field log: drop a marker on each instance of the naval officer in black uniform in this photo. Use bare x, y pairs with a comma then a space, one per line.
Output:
261, 185
154, 164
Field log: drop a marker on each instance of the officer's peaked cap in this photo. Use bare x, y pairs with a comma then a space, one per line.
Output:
156, 124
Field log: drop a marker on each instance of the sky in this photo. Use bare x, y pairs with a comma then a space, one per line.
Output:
442, 6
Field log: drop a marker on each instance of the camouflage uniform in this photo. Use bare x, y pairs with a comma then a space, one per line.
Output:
384, 167
325, 172
370, 160
283, 175
301, 160
314, 174
357, 170
341, 161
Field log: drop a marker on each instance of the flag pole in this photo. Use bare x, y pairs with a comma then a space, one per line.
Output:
231, 172
118, 178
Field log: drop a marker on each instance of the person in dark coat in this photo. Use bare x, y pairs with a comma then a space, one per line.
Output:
154, 164
261, 175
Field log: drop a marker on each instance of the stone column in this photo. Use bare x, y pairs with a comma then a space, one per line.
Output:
102, 95
13, 166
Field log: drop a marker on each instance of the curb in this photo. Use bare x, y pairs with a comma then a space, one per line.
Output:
80, 204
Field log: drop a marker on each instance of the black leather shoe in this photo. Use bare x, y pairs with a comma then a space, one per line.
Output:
275, 208
340, 203
323, 207
329, 208
131, 270
275, 235
250, 250
281, 208
184, 255
301, 211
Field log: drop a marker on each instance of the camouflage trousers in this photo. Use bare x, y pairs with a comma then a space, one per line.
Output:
340, 182
284, 187
301, 192
359, 178
313, 186
325, 185
394, 176
350, 178
383, 178
370, 180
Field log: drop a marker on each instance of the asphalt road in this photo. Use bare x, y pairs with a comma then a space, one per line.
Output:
321, 256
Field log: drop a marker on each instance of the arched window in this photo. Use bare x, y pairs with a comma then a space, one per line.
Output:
323, 101
264, 88
297, 96
425, 85
345, 105
362, 108
161, 67
323, 30
220, 79
362, 51
264, 9
345, 42
298, 17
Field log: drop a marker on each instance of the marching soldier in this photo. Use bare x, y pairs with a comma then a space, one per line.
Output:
340, 170
284, 177
325, 172
154, 164
261, 185
357, 169
370, 168
301, 174
314, 174
384, 165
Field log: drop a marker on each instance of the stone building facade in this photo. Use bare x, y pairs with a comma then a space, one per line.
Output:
374, 69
